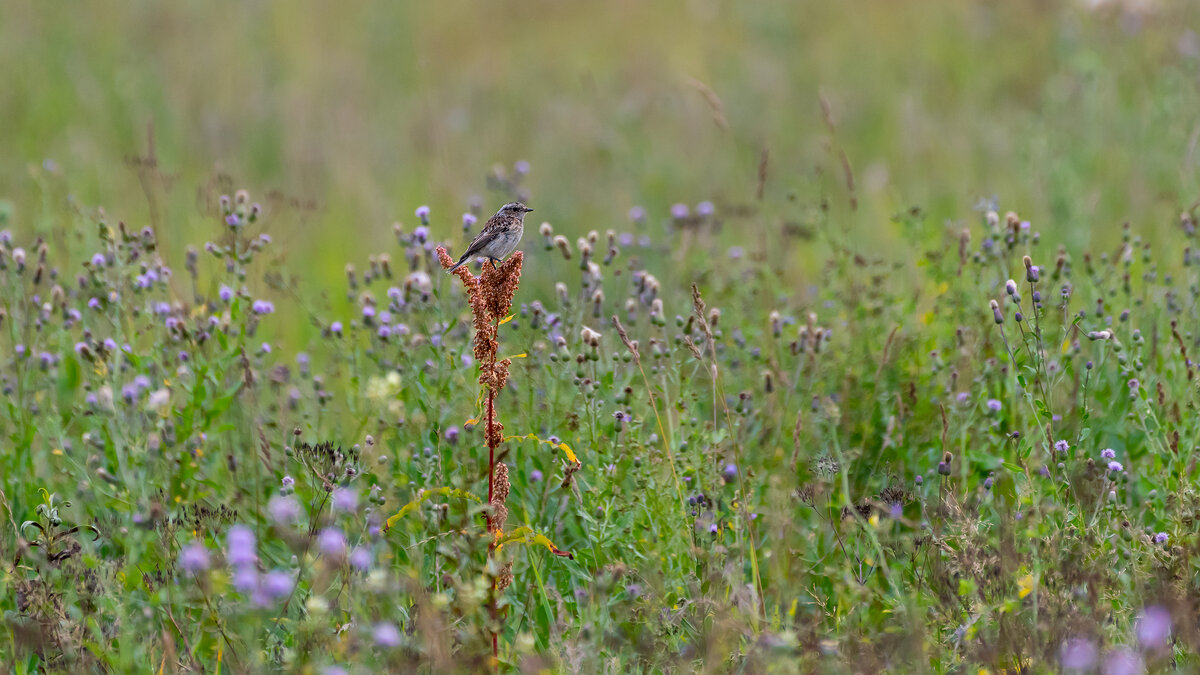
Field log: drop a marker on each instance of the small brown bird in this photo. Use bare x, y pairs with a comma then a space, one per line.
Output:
499, 236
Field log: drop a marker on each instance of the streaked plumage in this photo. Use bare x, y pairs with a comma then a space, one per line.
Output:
499, 236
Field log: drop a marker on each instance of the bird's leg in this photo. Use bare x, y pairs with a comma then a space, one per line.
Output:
493, 261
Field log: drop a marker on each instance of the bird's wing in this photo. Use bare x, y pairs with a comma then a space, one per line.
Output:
478, 242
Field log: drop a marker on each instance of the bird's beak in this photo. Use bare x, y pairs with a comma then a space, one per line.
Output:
527, 209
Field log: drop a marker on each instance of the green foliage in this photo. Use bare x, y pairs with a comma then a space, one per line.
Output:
225, 448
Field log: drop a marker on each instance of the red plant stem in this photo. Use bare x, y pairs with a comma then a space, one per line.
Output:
491, 420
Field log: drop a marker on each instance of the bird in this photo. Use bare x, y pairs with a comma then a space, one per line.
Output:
499, 236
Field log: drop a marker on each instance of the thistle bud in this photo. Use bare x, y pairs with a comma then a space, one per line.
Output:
996, 313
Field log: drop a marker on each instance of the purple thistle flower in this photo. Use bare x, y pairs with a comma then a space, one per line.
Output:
1078, 654
1108, 453
422, 212
265, 348
386, 634
98, 260
521, 167
637, 214
469, 220
535, 476
193, 558
345, 499
1161, 538
452, 435
360, 558
332, 542
242, 547
162, 308
1061, 446
713, 529
705, 209
262, 307
110, 344
421, 234
276, 585
245, 578
80, 347
384, 332
679, 211
284, 510
288, 482
232, 220
1153, 627
730, 472
1115, 466
1123, 661
93, 303
336, 328
994, 405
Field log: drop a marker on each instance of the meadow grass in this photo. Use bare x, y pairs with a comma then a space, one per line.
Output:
832, 355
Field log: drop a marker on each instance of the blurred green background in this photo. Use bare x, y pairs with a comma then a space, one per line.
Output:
1079, 117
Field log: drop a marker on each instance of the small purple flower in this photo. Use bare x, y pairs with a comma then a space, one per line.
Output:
332, 542
262, 307
193, 558
1078, 654
535, 476
98, 260
334, 670
345, 499
360, 558
736, 252
679, 211
713, 529
1115, 467
637, 214
421, 234
162, 308
276, 585
284, 510
469, 220
919, 480
1108, 453
245, 578
1061, 446
705, 209
451, 435
242, 546
265, 348
93, 303
422, 212
336, 328
386, 634
1161, 538
521, 167
288, 482
80, 347
994, 405
110, 344
141, 382
962, 397
384, 332
232, 220
1153, 627
368, 313
1123, 661
987, 483
730, 473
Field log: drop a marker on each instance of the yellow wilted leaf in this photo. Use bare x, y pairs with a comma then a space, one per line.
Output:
526, 535
561, 446
1025, 584
471, 421
506, 319
425, 496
